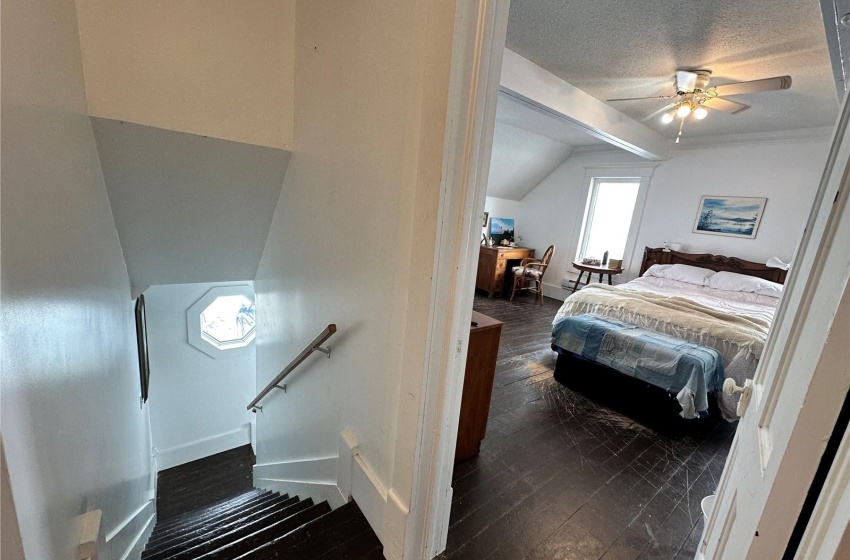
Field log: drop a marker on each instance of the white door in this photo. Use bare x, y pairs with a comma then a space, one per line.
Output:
798, 388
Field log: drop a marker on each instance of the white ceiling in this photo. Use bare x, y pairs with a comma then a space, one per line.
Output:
527, 147
188, 208
630, 49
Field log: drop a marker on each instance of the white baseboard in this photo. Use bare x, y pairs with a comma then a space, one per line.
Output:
174, 456
308, 478
128, 539
385, 510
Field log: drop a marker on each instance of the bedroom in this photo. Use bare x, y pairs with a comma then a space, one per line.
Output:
553, 161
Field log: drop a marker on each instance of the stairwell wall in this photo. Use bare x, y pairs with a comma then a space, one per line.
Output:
352, 242
197, 402
76, 437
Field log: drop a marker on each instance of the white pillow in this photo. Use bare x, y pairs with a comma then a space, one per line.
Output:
680, 272
734, 282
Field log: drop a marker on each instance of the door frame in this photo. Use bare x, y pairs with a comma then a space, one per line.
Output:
477, 50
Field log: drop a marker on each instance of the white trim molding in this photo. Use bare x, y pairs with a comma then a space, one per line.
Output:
181, 454
830, 522
385, 510
128, 538
306, 478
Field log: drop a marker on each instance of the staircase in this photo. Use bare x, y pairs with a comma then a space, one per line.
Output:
258, 525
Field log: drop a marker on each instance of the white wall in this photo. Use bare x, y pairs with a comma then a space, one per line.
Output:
215, 68
197, 402
352, 243
786, 172
75, 435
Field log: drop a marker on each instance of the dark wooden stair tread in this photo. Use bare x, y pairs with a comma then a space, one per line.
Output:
260, 525
208, 531
221, 518
315, 538
254, 540
233, 534
208, 513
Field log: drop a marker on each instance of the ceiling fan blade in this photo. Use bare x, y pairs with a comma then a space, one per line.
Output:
755, 86
660, 111
641, 98
686, 81
725, 105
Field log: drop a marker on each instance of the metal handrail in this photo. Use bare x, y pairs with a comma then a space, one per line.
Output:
312, 347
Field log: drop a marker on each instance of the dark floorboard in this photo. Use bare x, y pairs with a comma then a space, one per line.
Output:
577, 472
203, 482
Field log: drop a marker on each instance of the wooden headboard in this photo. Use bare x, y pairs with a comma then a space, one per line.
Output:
717, 263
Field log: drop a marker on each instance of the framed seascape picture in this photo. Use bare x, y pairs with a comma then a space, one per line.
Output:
732, 216
501, 228
142, 342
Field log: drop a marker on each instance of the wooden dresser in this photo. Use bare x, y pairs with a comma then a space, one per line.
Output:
494, 265
477, 385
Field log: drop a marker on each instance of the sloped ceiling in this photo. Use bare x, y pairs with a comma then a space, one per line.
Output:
188, 208
527, 147
632, 49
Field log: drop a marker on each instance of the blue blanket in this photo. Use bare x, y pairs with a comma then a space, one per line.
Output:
685, 368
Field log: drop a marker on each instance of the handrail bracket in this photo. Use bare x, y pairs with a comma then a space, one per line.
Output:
326, 351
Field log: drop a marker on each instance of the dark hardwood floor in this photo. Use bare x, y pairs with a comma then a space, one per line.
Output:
200, 483
579, 472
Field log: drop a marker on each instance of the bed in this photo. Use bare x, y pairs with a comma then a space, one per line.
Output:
682, 336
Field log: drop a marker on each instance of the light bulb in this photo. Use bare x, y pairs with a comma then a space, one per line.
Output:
667, 118
683, 110
700, 112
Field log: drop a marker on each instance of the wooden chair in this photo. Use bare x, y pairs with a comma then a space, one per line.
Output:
531, 271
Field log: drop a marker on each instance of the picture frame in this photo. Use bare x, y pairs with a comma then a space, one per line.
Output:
142, 345
486, 219
730, 216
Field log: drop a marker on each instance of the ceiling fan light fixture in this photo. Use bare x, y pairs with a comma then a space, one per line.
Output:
700, 113
684, 110
667, 118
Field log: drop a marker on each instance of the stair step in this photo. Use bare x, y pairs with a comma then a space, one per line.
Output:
198, 533
251, 542
237, 534
316, 537
208, 516
218, 506
239, 498
357, 547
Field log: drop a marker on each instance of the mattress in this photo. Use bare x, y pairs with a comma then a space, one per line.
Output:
735, 324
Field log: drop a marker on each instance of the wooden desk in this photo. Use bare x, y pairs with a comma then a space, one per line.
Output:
477, 385
494, 265
591, 270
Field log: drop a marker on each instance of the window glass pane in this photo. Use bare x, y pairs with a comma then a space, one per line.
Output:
229, 321
610, 218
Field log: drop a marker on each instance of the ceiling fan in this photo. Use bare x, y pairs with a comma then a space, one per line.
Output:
693, 95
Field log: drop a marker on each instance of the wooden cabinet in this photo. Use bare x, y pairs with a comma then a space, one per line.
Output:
477, 385
494, 267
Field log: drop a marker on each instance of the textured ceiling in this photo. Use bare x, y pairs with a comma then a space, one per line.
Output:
614, 49
188, 208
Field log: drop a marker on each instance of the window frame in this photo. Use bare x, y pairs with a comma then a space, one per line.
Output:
629, 172
193, 322
590, 211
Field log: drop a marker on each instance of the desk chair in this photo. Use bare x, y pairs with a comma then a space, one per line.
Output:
529, 274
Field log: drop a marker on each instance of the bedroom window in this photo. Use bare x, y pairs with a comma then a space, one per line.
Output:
608, 217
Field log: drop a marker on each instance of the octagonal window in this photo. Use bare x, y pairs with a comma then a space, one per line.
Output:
228, 322
222, 324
